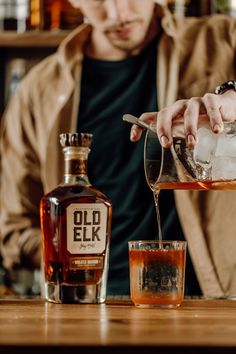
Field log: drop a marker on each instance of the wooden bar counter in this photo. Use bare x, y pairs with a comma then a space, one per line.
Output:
35, 326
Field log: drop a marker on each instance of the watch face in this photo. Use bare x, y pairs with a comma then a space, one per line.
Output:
229, 85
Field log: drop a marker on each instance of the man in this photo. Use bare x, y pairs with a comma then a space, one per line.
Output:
132, 56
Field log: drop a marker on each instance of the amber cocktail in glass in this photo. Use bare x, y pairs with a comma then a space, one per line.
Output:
157, 271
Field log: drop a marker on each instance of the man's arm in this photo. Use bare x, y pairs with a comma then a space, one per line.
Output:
21, 187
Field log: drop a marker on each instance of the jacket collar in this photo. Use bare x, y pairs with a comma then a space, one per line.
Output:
71, 49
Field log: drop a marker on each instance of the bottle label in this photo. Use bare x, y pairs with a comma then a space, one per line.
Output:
86, 228
86, 263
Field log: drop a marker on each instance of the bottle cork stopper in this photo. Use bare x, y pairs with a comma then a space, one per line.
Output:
76, 139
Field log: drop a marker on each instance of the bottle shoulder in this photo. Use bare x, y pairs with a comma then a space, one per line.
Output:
76, 193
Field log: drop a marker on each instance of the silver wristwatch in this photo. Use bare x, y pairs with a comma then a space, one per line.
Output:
229, 85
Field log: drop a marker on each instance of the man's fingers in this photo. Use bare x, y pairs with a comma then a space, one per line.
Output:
191, 115
136, 132
165, 119
190, 110
149, 118
212, 105
164, 124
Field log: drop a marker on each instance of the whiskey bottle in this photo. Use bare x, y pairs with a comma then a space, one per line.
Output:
14, 15
36, 14
76, 224
60, 14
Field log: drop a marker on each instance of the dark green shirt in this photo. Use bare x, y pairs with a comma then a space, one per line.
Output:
109, 90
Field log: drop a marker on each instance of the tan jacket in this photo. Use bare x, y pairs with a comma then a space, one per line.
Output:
194, 55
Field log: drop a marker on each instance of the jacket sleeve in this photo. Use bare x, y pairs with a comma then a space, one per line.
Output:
21, 186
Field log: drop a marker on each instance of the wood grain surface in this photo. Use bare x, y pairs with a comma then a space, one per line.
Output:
198, 326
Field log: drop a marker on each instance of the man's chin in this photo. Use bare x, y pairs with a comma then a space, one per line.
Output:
128, 45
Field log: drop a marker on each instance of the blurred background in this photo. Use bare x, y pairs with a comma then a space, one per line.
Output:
30, 30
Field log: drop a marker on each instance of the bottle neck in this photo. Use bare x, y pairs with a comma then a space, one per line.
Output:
76, 161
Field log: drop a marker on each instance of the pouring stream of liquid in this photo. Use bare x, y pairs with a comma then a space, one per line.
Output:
156, 201
134, 120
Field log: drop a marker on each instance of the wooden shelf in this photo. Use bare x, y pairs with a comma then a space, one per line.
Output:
32, 38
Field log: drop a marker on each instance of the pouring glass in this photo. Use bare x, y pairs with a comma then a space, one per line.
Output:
210, 165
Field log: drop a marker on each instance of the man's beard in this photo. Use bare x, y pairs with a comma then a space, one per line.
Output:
127, 46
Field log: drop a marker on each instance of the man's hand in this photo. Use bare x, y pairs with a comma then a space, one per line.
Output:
211, 107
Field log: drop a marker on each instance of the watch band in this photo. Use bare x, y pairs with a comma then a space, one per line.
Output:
228, 85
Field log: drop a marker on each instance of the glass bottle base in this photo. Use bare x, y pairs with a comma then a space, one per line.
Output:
75, 294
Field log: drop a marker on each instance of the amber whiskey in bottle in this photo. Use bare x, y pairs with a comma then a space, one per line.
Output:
36, 14
76, 225
60, 14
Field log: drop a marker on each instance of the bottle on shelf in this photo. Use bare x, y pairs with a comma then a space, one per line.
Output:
14, 15
36, 14
60, 14
76, 224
